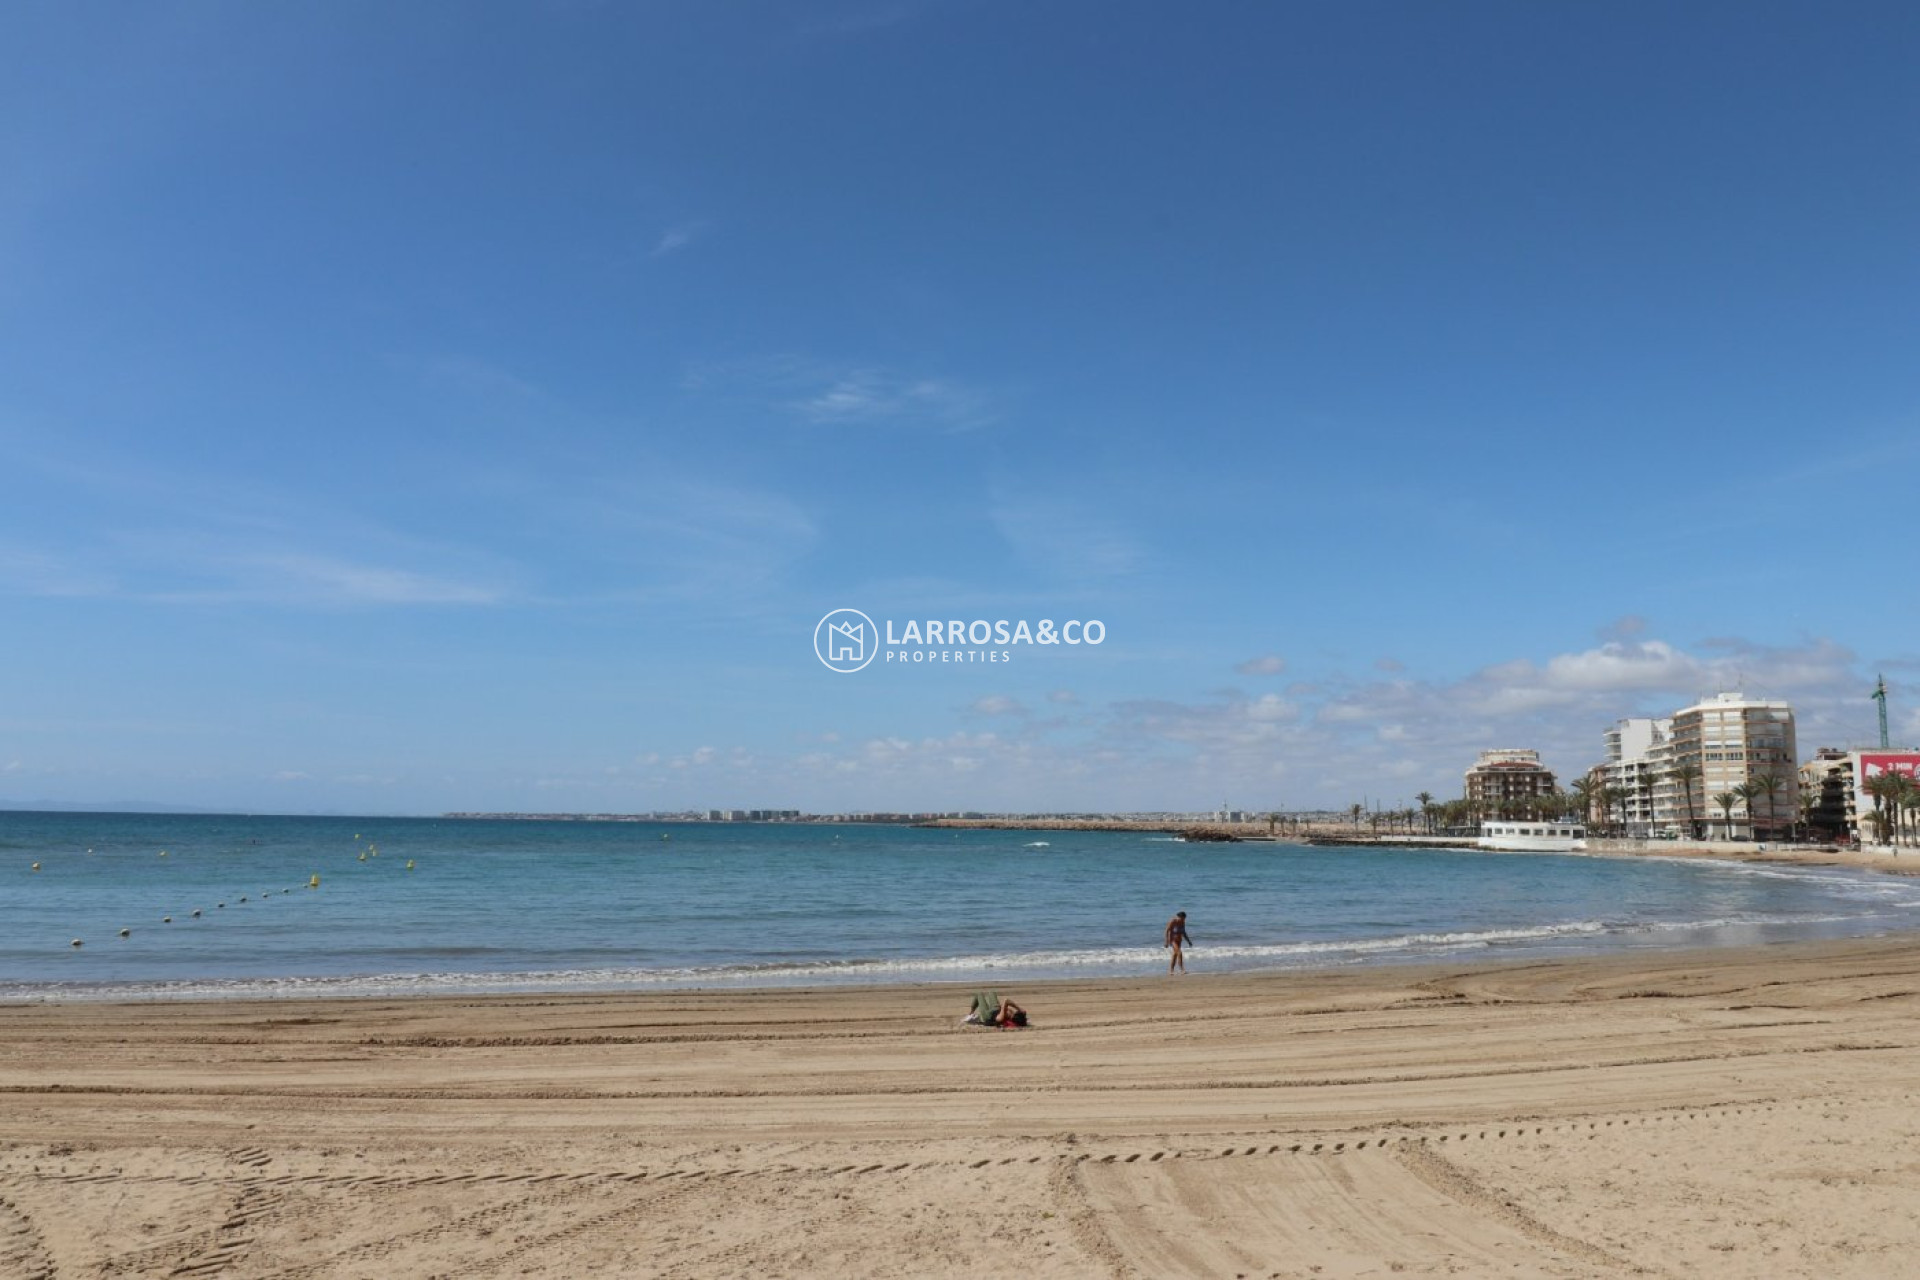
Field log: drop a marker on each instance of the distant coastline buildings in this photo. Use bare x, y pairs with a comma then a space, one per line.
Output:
1722, 768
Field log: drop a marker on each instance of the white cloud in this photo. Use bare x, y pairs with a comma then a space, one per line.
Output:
674, 239
997, 704
1271, 664
317, 579
873, 396
1327, 743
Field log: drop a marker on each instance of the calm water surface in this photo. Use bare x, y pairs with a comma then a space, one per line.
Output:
506, 906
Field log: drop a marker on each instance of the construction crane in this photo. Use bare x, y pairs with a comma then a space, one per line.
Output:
1880, 696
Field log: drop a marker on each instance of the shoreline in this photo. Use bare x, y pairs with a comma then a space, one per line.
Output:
1716, 1113
1546, 943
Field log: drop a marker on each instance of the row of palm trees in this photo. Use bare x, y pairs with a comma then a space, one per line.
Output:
1610, 802
1591, 798
1896, 818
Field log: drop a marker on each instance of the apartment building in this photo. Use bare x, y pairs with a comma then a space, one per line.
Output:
1732, 741
1835, 783
1507, 781
1639, 753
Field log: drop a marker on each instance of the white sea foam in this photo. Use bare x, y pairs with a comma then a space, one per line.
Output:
1115, 961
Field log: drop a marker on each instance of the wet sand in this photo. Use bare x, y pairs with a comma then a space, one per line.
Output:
1724, 1113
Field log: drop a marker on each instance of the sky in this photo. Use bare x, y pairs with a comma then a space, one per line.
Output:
477, 406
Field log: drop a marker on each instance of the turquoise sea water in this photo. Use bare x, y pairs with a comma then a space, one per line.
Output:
527, 906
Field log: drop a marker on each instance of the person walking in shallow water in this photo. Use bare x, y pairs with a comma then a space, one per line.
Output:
1177, 939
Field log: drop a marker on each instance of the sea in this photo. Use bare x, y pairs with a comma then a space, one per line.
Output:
189, 906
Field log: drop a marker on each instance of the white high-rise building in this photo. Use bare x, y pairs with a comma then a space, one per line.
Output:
1639, 752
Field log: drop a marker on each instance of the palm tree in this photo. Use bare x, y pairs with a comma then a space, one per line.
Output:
1426, 809
1587, 790
1749, 791
1887, 788
1615, 798
1903, 798
1768, 784
1726, 800
1354, 811
1684, 775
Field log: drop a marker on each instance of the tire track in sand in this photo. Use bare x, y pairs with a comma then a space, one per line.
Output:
23, 1250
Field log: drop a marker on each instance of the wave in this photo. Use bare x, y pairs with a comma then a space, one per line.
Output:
1028, 965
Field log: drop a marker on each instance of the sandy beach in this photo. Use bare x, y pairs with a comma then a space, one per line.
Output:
1728, 1113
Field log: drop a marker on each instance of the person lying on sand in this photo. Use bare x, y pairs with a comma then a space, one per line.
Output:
989, 1010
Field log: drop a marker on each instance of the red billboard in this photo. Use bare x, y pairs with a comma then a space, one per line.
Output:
1875, 763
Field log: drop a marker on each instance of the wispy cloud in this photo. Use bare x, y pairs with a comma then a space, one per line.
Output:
293, 578
1065, 538
471, 377
676, 238
875, 396
184, 537
996, 704
31, 571
1271, 664
825, 394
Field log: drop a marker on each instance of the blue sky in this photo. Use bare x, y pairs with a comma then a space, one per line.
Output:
476, 406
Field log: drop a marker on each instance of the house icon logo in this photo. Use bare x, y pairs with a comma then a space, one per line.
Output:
845, 640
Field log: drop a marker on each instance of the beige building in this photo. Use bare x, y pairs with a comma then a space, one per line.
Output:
1732, 740
1507, 782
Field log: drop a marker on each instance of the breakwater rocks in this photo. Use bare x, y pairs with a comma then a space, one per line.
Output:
1185, 829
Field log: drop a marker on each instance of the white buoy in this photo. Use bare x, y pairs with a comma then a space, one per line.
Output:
126, 933
78, 943
35, 867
